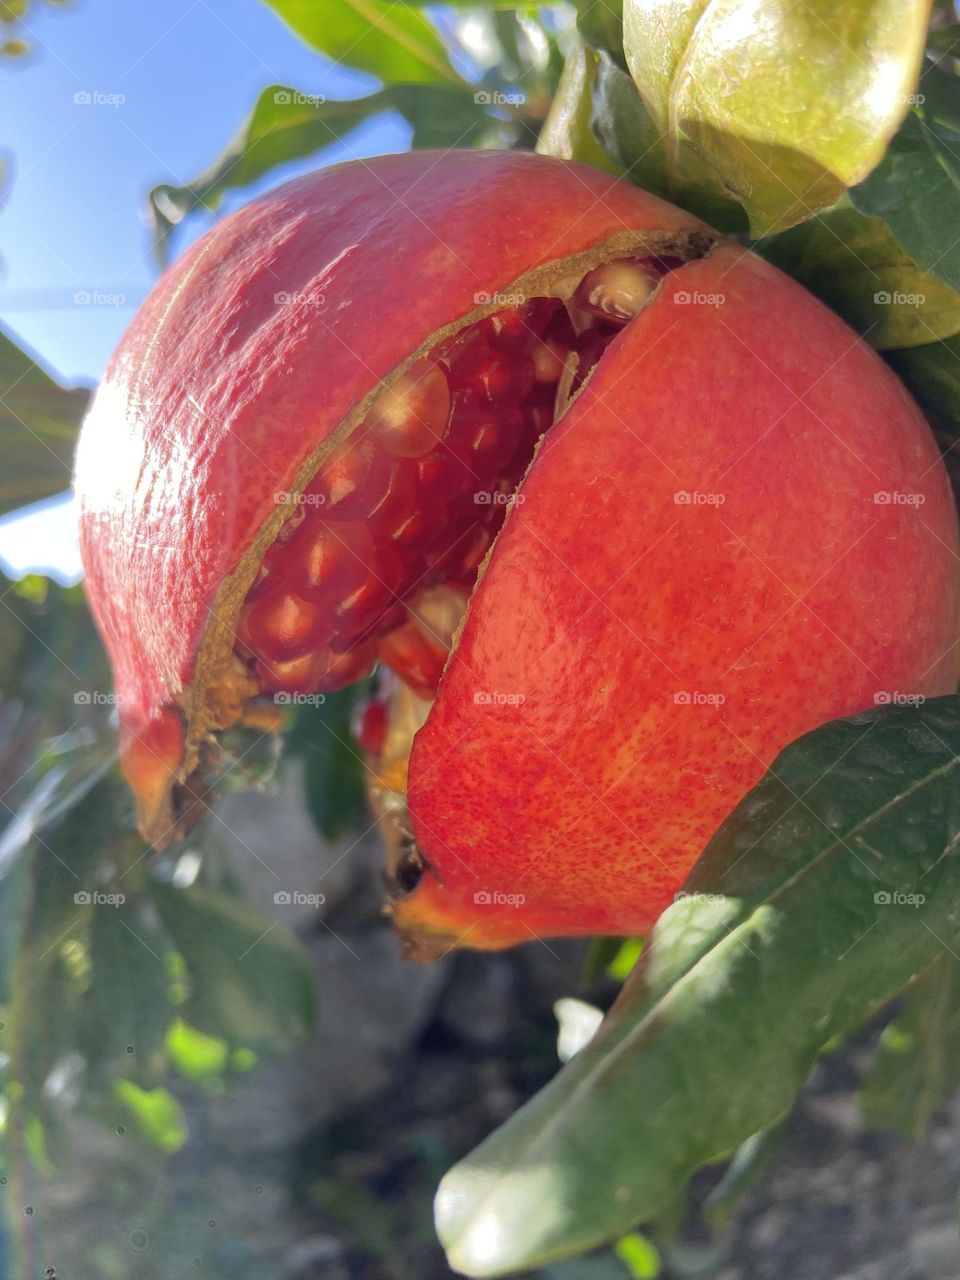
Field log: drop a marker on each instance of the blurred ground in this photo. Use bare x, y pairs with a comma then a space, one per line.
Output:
322, 1166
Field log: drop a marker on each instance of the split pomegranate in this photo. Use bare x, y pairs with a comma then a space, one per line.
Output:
616, 509
414, 497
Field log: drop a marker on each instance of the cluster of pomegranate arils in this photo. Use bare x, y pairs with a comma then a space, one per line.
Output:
396, 522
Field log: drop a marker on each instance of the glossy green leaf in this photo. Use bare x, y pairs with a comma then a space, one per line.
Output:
39, 421
628, 134
789, 103
831, 885
392, 41
251, 982
856, 266
287, 124
918, 1061
916, 188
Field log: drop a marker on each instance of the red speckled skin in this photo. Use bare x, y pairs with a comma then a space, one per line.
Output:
218, 392
665, 651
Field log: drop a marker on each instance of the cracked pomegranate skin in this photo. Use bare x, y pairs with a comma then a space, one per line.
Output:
738, 530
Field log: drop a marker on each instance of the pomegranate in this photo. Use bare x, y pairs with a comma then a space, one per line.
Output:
616, 509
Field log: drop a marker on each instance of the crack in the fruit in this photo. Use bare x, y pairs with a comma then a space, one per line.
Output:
225, 688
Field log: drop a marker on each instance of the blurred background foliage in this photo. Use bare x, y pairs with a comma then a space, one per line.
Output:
116, 1021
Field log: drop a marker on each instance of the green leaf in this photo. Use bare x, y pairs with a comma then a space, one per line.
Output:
126, 1009
630, 137
916, 188
333, 769
251, 982
288, 125
790, 104
753, 1158
918, 1063
195, 1055
831, 885
398, 44
39, 421
156, 1112
639, 1256
933, 375
855, 266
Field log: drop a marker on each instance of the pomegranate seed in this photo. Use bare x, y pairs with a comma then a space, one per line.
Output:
439, 611
296, 675
417, 660
503, 379
369, 603
398, 499
410, 415
326, 562
340, 669
590, 347
370, 726
615, 290
354, 479
418, 529
465, 354
548, 361
283, 625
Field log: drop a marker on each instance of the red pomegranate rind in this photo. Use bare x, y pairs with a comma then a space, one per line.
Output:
263, 337
799, 597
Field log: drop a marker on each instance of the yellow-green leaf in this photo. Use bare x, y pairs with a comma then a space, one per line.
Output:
398, 44
789, 103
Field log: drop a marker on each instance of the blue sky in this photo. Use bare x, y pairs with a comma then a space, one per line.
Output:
71, 217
